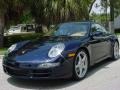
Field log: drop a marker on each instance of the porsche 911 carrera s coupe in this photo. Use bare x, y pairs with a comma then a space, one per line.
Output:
68, 52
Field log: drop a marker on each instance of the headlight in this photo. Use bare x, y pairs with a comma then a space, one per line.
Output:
48, 65
12, 48
56, 50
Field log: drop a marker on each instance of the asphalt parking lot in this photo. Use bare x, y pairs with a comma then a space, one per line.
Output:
103, 76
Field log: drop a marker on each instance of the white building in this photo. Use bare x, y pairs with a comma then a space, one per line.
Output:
117, 22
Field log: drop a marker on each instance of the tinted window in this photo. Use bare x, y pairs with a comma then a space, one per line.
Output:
98, 28
104, 30
94, 28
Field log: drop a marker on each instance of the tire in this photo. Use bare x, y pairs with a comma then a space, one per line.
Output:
115, 54
80, 66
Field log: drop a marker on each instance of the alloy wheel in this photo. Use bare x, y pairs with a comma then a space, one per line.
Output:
81, 64
116, 50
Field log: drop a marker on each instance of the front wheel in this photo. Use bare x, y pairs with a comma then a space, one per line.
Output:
116, 51
80, 65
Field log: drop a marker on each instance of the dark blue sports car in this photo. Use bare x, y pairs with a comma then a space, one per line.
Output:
68, 52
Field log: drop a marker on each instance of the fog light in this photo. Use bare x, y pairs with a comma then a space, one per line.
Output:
48, 65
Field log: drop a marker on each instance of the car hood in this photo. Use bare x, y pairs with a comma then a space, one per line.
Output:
37, 50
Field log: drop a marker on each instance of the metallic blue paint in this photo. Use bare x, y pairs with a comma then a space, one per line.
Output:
24, 60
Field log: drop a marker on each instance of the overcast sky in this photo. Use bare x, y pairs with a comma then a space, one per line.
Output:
98, 9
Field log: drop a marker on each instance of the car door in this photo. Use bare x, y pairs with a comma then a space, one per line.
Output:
107, 44
98, 43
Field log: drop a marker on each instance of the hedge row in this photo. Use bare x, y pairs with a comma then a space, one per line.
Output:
117, 30
11, 39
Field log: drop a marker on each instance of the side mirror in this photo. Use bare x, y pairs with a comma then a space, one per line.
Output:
97, 33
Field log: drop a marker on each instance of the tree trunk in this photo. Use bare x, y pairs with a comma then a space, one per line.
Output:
1, 30
90, 8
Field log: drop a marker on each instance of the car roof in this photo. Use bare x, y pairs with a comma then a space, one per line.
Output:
84, 22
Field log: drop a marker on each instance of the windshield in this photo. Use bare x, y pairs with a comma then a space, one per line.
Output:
72, 29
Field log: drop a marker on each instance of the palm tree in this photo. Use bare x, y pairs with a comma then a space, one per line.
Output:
56, 11
10, 10
2, 11
44, 11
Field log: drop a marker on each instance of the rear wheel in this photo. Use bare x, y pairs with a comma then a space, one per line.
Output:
116, 51
80, 65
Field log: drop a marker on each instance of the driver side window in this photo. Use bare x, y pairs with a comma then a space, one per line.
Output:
96, 28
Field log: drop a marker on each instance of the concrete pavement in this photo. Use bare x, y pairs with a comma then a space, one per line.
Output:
103, 76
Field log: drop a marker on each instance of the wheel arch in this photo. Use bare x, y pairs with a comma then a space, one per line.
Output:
87, 51
113, 40
117, 41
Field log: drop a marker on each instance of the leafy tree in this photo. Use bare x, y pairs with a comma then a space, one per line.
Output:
117, 7
43, 11
55, 11
116, 4
2, 11
10, 12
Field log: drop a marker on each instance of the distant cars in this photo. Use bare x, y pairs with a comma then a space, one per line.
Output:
21, 28
15, 29
27, 28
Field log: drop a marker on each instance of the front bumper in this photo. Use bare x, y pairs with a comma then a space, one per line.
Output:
62, 71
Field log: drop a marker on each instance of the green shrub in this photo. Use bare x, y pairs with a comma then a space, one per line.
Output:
117, 30
2, 51
11, 39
